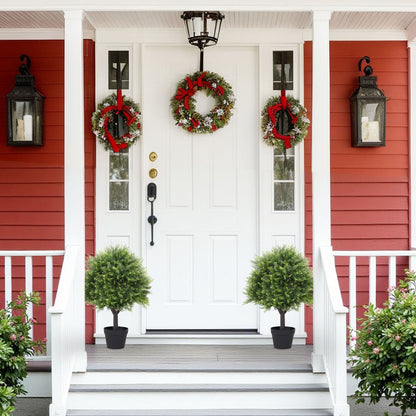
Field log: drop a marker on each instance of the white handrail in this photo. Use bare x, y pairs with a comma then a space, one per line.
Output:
64, 329
32, 253
28, 272
335, 339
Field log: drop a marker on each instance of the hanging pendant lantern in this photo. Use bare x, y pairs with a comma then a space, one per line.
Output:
203, 30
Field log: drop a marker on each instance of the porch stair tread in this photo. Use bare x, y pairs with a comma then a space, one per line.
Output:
197, 387
203, 412
209, 358
167, 380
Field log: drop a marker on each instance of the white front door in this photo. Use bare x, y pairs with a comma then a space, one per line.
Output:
216, 193
207, 195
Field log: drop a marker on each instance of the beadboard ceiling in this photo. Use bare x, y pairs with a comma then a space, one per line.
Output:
389, 21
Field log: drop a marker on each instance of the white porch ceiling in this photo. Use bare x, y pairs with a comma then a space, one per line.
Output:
388, 21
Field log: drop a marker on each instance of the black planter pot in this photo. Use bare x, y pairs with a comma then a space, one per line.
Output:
282, 338
115, 339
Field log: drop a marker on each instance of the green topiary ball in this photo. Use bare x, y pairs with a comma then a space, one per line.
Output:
116, 279
281, 279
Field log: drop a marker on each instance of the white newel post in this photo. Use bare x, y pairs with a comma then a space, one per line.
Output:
412, 135
321, 182
75, 166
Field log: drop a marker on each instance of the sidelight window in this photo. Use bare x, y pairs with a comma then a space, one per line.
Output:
119, 180
284, 179
282, 70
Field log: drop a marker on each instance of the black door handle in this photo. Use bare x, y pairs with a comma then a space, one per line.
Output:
151, 197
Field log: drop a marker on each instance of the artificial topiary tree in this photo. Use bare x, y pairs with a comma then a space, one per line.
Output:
280, 279
116, 279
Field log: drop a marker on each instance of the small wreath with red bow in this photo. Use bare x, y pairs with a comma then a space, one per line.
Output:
273, 124
103, 120
183, 102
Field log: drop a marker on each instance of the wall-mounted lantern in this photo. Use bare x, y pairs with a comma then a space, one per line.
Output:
203, 30
25, 110
368, 111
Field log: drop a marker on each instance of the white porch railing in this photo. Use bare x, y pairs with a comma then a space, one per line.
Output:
372, 275
67, 346
46, 275
335, 335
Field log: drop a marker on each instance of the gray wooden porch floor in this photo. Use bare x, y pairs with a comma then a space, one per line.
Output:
199, 358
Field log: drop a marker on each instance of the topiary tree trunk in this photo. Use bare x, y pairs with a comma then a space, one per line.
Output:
115, 319
282, 318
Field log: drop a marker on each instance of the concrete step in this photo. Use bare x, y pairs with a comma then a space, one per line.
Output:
197, 377
199, 397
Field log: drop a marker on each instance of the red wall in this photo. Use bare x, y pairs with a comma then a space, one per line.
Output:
31, 178
369, 186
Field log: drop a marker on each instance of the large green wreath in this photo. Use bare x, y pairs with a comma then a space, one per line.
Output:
183, 102
107, 110
270, 115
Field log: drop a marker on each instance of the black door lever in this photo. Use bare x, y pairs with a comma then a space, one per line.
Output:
151, 196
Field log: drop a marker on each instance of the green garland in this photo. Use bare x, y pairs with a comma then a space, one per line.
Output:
300, 127
104, 115
183, 103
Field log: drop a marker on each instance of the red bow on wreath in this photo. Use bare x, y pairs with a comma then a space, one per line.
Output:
186, 93
130, 118
273, 110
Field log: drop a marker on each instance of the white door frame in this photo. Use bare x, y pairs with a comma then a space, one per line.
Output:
268, 226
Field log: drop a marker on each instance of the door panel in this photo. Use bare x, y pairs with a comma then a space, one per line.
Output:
206, 206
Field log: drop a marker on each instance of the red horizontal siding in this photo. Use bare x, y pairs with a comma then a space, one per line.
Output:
32, 178
369, 186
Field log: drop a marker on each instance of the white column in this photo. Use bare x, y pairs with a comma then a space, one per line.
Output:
321, 181
74, 162
412, 135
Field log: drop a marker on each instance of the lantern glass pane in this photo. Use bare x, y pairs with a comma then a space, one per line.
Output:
39, 121
210, 26
372, 114
22, 121
197, 26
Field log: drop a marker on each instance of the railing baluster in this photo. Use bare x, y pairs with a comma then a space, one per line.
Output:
392, 272
48, 299
372, 279
353, 295
29, 287
412, 263
8, 279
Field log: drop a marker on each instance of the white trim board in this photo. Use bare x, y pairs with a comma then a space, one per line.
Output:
229, 5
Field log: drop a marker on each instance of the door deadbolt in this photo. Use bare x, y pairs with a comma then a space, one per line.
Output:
153, 173
153, 156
